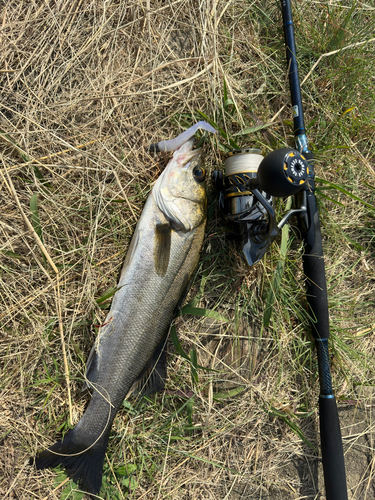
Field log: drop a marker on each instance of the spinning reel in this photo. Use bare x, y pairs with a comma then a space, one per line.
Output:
246, 192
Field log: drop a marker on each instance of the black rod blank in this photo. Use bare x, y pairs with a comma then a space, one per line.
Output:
295, 89
316, 288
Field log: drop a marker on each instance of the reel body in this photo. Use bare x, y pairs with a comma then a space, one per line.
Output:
246, 192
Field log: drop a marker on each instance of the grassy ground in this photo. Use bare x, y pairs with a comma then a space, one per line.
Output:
85, 86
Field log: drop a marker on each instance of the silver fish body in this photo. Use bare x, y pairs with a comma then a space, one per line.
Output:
160, 262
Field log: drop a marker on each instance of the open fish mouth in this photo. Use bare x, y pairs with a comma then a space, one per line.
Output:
185, 154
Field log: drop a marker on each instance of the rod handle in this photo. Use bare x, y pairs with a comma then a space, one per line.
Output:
332, 450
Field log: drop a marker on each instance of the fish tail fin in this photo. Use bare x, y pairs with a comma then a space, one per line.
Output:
83, 463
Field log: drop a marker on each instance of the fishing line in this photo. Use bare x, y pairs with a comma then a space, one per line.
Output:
100, 435
247, 160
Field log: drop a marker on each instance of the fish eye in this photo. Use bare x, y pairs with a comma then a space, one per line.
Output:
199, 174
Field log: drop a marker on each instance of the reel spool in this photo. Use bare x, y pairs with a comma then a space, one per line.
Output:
246, 194
241, 170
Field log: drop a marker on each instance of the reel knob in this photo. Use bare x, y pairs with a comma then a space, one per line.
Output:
283, 172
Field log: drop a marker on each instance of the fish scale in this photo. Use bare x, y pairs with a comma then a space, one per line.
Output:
143, 334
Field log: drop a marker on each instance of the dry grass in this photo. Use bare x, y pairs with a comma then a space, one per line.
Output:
85, 86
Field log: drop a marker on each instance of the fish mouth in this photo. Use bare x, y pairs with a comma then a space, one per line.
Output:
185, 153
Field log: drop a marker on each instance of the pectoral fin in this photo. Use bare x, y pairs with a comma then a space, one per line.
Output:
162, 248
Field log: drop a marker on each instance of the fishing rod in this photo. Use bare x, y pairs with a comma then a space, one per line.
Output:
245, 198
316, 287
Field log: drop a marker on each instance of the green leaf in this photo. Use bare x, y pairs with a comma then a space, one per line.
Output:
71, 491
229, 394
276, 280
48, 330
13, 255
369, 186
225, 90
182, 353
129, 407
228, 104
346, 192
194, 365
254, 129
126, 470
177, 344
200, 311
26, 159
221, 132
189, 411
328, 198
130, 482
40, 177
108, 294
23, 155
295, 428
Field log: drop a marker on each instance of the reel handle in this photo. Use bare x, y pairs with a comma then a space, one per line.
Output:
283, 172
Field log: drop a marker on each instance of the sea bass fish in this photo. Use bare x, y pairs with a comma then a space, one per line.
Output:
159, 265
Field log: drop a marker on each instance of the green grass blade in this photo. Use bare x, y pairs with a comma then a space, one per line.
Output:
182, 353
10, 254
340, 188
200, 311
228, 394
107, 295
221, 131
277, 277
194, 366
295, 428
252, 130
